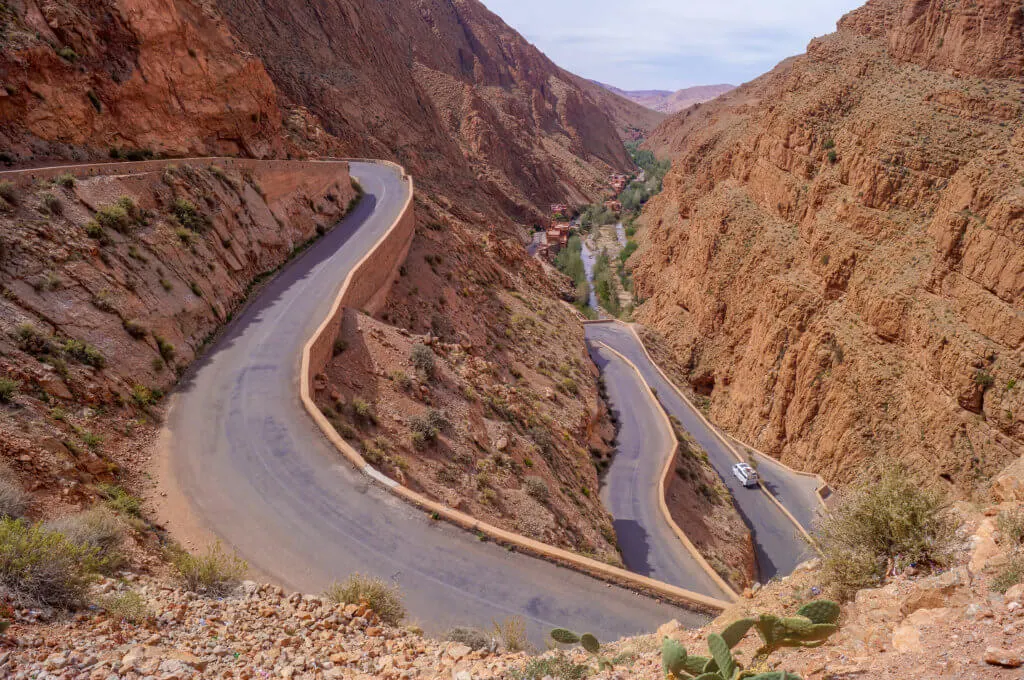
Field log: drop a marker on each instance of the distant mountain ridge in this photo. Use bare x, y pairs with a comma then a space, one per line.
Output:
666, 101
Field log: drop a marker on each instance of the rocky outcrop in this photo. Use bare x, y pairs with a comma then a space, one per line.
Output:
80, 79
982, 38
835, 255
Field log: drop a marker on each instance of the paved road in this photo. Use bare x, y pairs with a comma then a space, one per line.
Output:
258, 473
630, 489
799, 493
777, 541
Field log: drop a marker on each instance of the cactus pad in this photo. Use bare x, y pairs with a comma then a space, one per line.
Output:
590, 643
564, 636
820, 611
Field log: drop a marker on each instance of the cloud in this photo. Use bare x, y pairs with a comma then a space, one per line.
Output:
668, 44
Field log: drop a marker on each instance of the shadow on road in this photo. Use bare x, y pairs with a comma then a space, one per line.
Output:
634, 545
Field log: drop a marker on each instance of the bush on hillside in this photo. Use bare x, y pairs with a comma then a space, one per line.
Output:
422, 358
13, 500
881, 521
381, 597
8, 388
42, 565
214, 572
474, 638
98, 529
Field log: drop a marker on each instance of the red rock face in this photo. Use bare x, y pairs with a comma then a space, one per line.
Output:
980, 37
81, 78
838, 247
446, 88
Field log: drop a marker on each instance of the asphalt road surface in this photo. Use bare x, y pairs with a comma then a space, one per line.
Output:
630, 489
257, 472
777, 542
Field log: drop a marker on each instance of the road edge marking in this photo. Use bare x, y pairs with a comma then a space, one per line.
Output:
558, 555
714, 430
665, 472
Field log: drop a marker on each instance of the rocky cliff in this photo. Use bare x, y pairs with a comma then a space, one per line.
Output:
836, 255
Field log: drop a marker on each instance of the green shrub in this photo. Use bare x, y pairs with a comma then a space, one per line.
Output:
1009, 575
213, 572
94, 230
84, 353
8, 388
134, 329
878, 521
31, 340
67, 180
8, 192
142, 395
1011, 528
188, 216
363, 410
127, 606
340, 346
67, 54
114, 217
384, 599
558, 666
512, 633
474, 638
401, 380
422, 429
97, 528
43, 565
52, 204
166, 348
119, 500
422, 358
91, 439
537, 488
13, 500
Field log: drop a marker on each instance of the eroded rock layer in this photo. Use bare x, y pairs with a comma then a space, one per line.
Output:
837, 254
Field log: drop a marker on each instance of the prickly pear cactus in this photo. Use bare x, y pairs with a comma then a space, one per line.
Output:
722, 655
673, 657
820, 611
590, 643
564, 636
735, 631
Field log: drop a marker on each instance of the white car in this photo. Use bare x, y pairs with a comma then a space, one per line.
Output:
746, 474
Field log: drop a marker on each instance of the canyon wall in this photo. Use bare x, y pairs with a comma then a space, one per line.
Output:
837, 258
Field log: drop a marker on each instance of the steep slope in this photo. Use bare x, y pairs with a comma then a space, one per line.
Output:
492, 130
446, 88
666, 101
79, 79
633, 120
836, 255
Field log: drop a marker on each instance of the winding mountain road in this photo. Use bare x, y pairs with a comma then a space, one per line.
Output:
630, 489
254, 470
778, 544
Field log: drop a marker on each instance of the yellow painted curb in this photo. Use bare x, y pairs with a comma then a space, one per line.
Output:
578, 562
666, 471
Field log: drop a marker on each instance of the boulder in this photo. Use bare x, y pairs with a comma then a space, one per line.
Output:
997, 656
1008, 486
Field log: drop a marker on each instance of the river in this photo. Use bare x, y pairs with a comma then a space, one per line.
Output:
589, 258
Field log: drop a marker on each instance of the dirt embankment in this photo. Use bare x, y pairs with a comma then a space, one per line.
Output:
835, 256
505, 425
112, 286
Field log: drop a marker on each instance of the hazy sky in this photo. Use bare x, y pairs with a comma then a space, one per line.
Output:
669, 44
